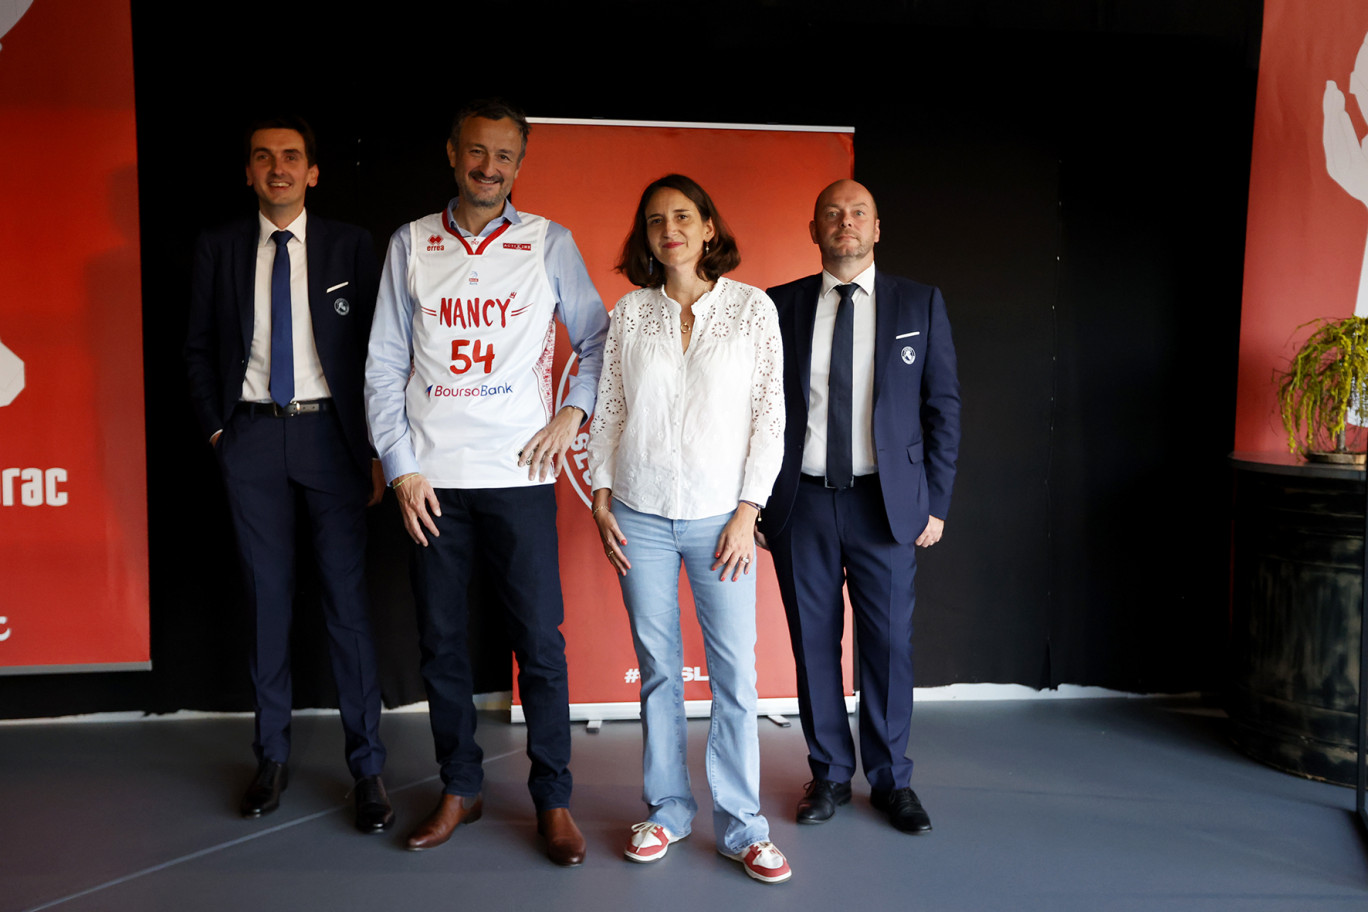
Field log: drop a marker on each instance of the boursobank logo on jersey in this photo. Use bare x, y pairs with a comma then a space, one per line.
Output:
442, 391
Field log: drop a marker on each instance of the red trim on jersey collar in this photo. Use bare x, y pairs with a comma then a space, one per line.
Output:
450, 224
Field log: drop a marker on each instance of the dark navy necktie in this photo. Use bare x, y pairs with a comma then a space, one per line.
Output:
282, 336
839, 471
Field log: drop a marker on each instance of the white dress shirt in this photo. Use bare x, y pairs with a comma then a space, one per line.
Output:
686, 435
864, 460
308, 370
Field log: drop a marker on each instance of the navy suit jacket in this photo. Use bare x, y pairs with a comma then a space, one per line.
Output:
221, 310
916, 400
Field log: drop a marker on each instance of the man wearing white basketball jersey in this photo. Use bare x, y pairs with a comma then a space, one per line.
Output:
459, 398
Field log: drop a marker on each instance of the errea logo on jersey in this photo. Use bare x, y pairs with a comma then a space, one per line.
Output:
435, 242
508, 246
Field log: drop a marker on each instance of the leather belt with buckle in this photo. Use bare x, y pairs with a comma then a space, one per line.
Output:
822, 482
293, 410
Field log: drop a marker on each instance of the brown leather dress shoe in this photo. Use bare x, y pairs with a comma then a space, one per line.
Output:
564, 841
451, 812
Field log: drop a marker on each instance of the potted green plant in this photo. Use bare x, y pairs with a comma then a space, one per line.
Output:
1325, 381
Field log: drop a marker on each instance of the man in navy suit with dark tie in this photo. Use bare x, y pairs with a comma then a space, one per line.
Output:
280, 313
872, 435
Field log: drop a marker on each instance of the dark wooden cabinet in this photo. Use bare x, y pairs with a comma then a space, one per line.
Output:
1295, 614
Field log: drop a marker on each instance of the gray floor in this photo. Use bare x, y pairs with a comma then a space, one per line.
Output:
1049, 805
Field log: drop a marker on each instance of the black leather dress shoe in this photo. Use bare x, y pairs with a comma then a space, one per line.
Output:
821, 799
373, 810
263, 795
904, 810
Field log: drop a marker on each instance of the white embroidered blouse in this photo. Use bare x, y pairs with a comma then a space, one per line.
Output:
686, 435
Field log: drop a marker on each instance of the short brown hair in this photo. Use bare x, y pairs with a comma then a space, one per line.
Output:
492, 109
636, 261
283, 122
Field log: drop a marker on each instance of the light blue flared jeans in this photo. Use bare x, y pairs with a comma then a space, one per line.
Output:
726, 614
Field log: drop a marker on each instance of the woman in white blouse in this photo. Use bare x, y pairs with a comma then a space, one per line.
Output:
687, 439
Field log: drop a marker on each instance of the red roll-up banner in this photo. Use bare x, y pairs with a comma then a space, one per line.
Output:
588, 176
73, 489
1306, 249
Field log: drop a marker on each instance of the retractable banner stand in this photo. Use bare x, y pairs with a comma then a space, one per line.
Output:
1306, 250
73, 490
588, 176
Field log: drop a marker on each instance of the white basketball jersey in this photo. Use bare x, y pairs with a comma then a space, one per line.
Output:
483, 338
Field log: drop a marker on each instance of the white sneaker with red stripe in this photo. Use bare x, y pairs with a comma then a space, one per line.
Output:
763, 861
649, 842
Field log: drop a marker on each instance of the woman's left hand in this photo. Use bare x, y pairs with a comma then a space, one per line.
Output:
736, 544
613, 541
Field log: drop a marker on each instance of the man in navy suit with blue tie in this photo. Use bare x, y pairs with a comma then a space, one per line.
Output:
280, 313
872, 435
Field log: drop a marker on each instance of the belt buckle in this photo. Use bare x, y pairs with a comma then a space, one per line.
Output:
295, 408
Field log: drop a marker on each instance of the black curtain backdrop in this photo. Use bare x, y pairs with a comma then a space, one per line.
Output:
1072, 174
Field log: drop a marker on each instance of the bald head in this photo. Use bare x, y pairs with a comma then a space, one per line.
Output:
845, 226
843, 191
